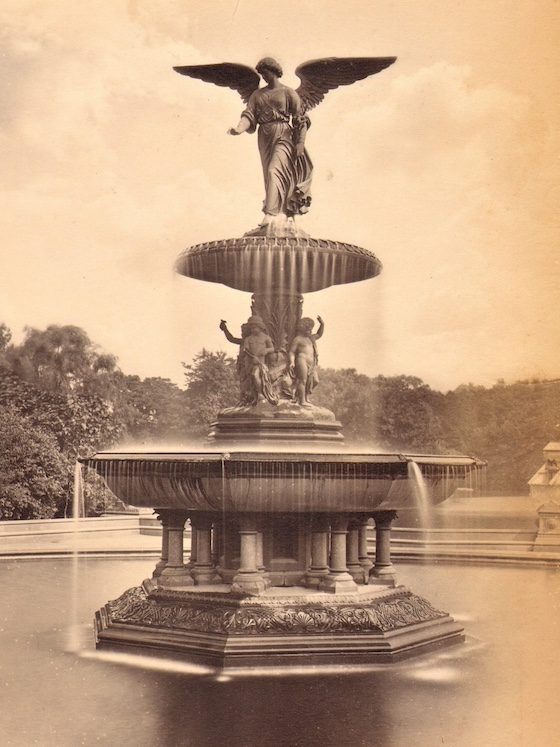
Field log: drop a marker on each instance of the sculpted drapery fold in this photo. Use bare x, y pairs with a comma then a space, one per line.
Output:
277, 112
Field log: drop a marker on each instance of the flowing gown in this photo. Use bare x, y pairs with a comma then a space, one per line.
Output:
287, 178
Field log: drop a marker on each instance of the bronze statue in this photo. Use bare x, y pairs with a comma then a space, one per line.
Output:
254, 347
303, 358
281, 116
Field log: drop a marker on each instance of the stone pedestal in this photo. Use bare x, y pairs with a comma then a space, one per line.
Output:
338, 580
297, 628
203, 570
249, 579
383, 571
319, 567
162, 563
175, 572
548, 535
363, 554
352, 553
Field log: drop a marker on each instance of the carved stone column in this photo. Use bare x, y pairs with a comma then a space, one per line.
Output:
260, 555
160, 565
217, 542
352, 558
203, 570
175, 572
383, 572
249, 579
363, 555
319, 567
338, 580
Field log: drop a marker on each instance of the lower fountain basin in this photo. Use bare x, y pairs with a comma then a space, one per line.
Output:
249, 481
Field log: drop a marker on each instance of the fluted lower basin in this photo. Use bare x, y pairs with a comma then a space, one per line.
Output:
261, 263
244, 481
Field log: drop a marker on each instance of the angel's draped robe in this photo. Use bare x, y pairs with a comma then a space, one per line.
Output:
287, 178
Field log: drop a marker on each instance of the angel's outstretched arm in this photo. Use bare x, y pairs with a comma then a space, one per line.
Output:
243, 125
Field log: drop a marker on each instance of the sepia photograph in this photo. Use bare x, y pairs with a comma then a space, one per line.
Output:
280, 373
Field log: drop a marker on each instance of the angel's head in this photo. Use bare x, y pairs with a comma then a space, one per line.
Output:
268, 65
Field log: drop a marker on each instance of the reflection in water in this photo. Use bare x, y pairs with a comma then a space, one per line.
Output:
436, 674
498, 689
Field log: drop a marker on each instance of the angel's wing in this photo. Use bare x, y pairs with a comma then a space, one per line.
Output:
318, 77
240, 78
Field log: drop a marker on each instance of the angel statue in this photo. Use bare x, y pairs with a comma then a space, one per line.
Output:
281, 116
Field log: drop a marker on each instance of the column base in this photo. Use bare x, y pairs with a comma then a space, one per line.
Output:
357, 573
367, 565
171, 577
385, 576
249, 583
203, 576
158, 569
338, 583
314, 579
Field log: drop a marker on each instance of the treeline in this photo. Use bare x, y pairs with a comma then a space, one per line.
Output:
61, 398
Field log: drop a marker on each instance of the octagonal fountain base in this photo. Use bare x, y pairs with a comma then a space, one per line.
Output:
292, 626
284, 423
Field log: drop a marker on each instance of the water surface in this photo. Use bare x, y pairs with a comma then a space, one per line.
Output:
500, 688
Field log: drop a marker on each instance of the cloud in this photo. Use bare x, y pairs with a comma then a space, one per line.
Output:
112, 164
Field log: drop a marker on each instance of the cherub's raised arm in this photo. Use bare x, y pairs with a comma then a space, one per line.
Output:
320, 329
229, 336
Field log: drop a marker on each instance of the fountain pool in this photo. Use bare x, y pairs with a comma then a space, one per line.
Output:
498, 689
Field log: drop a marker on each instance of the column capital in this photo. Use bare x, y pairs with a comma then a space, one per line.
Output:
384, 519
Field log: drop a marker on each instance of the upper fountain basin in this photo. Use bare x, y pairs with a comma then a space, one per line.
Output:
293, 264
277, 482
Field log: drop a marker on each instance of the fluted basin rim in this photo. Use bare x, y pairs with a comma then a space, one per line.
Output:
298, 264
443, 460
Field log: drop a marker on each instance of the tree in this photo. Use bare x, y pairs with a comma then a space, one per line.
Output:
80, 424
62, 359
211, 385
408, 416
5, 337
153, 409
352, 398
33, 472
507, 424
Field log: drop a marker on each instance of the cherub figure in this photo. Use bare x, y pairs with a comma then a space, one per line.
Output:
254, 346
303, 358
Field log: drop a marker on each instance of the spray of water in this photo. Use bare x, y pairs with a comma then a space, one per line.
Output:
78, 512
421, 495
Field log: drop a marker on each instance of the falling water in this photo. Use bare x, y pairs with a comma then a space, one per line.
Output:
78, 512
78, 503
421, 494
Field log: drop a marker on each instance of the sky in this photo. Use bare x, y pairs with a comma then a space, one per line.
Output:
445, 165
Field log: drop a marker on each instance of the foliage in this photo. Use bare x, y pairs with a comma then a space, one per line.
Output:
34, 474
80, 424
211, 385
508, 425
153, 409
62, 359
5, 336
399, 412
352, 397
